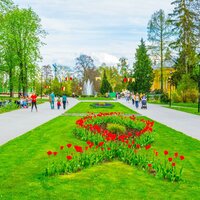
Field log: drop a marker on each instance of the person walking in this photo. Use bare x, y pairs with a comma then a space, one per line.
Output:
137, 99
133, 98
64, 101
52, 100
33, 101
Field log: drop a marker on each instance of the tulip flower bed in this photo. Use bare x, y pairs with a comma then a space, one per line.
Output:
132, 147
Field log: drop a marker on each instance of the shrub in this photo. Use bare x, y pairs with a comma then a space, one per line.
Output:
176, 97
116, 128
164, 98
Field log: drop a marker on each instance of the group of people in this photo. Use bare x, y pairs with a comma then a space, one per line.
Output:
136, 98
64, 101
24, 102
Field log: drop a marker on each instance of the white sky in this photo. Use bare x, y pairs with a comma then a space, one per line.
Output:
103, 29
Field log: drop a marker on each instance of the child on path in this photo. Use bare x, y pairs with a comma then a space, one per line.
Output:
58, 103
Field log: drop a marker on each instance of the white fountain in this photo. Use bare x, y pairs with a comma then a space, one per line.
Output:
88, 88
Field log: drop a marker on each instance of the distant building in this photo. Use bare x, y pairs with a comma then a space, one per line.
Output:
166, 76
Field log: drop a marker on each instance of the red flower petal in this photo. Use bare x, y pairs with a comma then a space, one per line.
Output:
69, 157
182, 157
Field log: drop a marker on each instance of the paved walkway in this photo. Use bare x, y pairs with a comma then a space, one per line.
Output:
180, 121
18, 122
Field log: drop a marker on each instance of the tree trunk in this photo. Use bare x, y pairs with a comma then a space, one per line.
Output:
11, 82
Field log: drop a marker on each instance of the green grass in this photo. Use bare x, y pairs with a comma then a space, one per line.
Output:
85, 107
95, 98
190, 110
24, 159
184, 107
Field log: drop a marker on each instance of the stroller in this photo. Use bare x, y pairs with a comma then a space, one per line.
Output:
144, 103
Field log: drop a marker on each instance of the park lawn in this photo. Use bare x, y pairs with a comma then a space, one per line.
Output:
84, 107
96, 98
190, 110
23, 161
184, 107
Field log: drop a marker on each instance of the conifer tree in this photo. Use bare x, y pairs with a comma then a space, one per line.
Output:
143, 71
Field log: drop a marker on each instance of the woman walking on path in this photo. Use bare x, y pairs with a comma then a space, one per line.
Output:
133, 98
33, 101
137, 99
52, 100
64, 101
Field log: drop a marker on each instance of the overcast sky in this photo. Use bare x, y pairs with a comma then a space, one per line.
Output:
103, 29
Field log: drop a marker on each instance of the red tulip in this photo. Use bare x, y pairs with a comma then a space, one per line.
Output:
49, 153
170, 159
129, 146
78, 149
173, 164
182, 157
55, 153
109, 148
156, 153
69, 157
133, 142
101, 144
176, 154
61, 147
137, 146
86, 148
69, 145
166, 152
149, 165
148, 147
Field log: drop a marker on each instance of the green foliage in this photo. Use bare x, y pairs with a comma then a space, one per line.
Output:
183, 21
20, 40
116, 128
187, 89
131, 86
164, 98
143, 71
105, 85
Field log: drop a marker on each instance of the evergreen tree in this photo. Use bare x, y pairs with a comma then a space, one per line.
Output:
143, 71
183, 21
105, 85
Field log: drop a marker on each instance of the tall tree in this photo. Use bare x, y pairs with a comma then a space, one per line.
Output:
83, 63
112, 74
105, 85
183, 21
123, 66
158, 34
143, 71
21, 35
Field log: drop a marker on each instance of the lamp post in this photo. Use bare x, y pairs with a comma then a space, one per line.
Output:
170, 89
41, 86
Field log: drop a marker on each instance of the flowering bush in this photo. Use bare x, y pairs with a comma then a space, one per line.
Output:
132, 146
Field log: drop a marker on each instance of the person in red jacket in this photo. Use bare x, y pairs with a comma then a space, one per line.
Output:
34, 101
